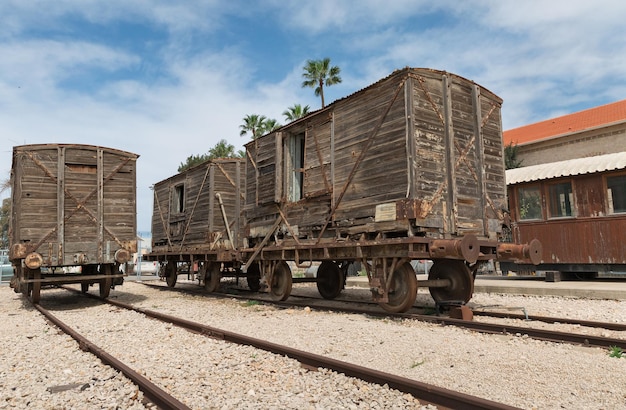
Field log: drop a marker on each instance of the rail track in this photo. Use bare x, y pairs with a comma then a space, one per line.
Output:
425, 393
153, 392
485, 327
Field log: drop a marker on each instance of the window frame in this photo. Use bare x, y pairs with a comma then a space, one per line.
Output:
561, 202
531, 187
178, 198
610, 206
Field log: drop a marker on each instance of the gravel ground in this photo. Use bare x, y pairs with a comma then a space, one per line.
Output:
511, 369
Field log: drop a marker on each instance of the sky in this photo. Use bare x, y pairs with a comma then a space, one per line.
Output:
169, 79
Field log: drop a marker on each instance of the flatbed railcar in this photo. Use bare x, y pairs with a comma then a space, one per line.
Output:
408, 168
73, 216
577, 209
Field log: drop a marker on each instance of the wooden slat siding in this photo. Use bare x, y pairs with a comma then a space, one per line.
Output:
430, 150
73, 202
317, 178
432, 143
467, 161
383, 172
202, 217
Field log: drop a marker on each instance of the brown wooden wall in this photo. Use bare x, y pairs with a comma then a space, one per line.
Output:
73, 200
201, 224
424, 141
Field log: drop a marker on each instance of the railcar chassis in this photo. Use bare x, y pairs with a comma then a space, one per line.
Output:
392, 280
30, 280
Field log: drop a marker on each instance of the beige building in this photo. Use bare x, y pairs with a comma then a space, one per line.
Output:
596, 131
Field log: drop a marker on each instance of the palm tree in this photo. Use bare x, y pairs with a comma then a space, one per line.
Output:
254, 124
296, 112
319, 73
270, 125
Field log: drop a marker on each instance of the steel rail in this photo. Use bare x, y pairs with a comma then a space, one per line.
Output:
154, 393
422, 391
493, 328
547, 319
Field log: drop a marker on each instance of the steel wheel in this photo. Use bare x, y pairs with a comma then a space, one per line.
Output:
105, 284
171, 273
402, 291
329, 280
36, 286
212, 277
254, 277
461, 286
280, 285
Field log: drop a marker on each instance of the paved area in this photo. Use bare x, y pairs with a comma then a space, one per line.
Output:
598, 289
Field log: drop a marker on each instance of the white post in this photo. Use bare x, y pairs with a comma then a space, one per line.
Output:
138, 265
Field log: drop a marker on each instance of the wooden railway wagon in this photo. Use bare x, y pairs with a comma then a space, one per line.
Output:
577, 209
197, 221
410, 167
73, 210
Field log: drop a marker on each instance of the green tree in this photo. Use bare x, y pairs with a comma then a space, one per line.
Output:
5, 213
510, 156
222, 150
296, 112
253, 124
192, 161
319, 73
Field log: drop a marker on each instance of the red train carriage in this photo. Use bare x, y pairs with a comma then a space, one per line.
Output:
73, 216
577, 209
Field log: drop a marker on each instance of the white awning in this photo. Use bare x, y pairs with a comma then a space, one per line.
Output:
570, 167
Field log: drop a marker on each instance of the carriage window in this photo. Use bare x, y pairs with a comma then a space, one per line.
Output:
561, 200
529, 203
616, 193
296, 167
178, 199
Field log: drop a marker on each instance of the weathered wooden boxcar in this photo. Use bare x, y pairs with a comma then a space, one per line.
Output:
73, 210
410, 167
197, 220
577, 209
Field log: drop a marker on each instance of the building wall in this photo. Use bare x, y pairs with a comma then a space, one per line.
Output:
599, 141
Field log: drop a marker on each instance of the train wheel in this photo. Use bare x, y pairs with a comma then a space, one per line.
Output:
212, 277
329, 280
171, 274
105, 284
254, 277
402, 291
84, 287
36, 286
461, 286
280, 286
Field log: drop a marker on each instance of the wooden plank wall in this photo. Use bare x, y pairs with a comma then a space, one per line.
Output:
435, 139
201, 224
60, 209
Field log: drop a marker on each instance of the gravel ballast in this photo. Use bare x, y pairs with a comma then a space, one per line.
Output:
512, 369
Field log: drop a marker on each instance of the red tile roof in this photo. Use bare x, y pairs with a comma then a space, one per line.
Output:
567, 124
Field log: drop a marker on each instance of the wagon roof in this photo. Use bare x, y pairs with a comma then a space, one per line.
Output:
202, 165
35, 147
399, 72
578, 166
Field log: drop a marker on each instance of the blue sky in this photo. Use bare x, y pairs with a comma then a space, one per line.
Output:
168, 79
